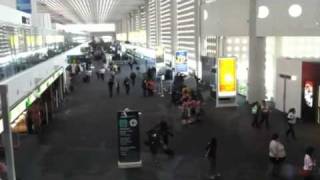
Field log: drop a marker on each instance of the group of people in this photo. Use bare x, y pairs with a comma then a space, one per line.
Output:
260, 114
277, 155
113, 80
158, 140
191, 105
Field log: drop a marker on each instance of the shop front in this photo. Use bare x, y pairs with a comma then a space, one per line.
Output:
310, 91
31, 114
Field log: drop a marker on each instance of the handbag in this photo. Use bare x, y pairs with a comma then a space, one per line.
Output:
304, 173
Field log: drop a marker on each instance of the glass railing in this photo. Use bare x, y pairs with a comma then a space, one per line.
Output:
14, 64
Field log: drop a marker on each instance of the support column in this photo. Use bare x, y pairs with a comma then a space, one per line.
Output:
197, 19
256, 89
7, 134
147, 23
158, 22
174, 30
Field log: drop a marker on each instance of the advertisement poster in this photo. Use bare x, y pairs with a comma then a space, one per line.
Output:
227, 77
308, 93
24, 5
181, 62
129, 139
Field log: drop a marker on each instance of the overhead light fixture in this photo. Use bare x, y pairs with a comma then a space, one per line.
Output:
263, 12
295, 10
205, 14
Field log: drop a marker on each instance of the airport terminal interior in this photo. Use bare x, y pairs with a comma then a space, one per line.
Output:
159, 89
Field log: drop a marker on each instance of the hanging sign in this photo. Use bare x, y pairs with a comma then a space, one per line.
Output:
129, 139
227, 80
24, 5
181, 63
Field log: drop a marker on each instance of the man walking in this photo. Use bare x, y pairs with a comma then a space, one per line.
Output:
126, 84
255, 111
211, 151
110, 84
133, 78
265, 111
118, 87
291, 122
144, 87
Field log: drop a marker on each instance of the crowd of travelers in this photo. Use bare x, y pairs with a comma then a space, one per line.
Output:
190, 101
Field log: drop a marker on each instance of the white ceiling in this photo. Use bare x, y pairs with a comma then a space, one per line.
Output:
88, 11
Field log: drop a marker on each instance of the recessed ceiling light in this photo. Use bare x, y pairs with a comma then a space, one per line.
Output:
263, 12
205, 14
295, 10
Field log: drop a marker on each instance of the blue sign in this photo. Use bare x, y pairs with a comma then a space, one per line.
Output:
24, 5
181, 61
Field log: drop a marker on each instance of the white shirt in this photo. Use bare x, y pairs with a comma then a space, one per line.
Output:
276, 149
292, 118
308, 163
102, 70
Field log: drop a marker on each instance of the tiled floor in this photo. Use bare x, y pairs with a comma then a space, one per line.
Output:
81, 142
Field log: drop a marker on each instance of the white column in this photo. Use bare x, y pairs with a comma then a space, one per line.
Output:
7, 134
197, 19
158, 28
147, 23
174, 29
256, 89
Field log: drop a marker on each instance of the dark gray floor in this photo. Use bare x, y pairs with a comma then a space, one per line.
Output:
81, 142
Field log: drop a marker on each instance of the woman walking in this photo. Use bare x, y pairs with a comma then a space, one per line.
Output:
308, 164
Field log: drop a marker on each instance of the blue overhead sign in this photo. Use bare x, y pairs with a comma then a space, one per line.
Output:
181, 62
24, 5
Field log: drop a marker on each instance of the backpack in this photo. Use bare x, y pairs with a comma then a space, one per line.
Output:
254, 109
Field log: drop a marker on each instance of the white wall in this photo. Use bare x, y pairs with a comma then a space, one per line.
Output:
280, 23
293, 97
10, 15
225, 18
9, 3
42, 20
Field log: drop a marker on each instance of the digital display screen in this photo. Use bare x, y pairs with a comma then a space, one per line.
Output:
227, 77
308, 93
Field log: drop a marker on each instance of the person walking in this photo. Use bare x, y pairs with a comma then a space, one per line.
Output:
265, 113
102, 71
211, 154
133, 78
144, 87
118, 87
126, 84
153, 143
165, 132
130, 64
110, 85
291, 122
277, 155
308, 164
255, 111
